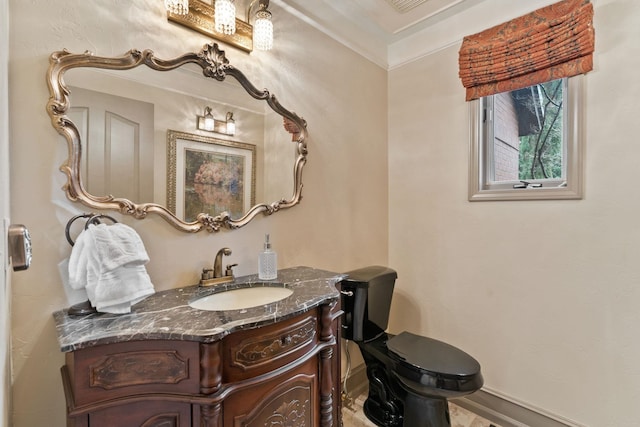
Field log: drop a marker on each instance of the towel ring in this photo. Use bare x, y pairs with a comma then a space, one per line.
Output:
93, 219
71, 221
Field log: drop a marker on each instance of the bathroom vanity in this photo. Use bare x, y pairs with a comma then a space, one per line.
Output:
168, 364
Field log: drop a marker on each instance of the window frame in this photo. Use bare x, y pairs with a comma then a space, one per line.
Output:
481, 189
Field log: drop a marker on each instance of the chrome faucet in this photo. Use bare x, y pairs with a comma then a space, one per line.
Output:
213, 276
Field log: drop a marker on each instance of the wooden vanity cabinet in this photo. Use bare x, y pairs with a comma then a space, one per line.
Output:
286, 373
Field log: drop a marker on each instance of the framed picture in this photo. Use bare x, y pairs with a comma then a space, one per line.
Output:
209, 175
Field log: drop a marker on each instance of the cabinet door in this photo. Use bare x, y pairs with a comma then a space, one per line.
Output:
158, 413
291, 399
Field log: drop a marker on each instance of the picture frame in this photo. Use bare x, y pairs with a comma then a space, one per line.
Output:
209, 175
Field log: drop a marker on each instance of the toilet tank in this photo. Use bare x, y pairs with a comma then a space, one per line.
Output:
366, 301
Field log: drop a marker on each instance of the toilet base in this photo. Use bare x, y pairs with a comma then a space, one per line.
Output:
426, 412
417, 412
382, 406
389, 403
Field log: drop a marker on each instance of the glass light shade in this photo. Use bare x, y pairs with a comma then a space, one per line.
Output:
177, 7
225, 16
209, 123
263, 31
231, 128
206, 122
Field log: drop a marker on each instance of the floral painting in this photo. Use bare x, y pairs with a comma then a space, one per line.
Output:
211, 176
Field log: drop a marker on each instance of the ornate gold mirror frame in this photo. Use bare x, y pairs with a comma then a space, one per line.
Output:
214, 65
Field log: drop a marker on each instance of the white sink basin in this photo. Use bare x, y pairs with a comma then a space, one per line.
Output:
238, 299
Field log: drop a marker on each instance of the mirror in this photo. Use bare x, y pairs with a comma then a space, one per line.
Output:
138, 143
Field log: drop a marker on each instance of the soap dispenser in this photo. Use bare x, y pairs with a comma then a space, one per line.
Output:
267, 262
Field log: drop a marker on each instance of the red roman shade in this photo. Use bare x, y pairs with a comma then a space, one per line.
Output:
550, 43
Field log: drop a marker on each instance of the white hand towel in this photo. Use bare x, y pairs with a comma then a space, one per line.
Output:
78, 261
118, 245
117, 290
74, 295
108, 260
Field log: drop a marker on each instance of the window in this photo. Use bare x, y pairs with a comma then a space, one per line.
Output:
526, 143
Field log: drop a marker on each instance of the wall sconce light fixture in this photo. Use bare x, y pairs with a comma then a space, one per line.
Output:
177, 7
262, 26
210, 124
225, 16
230, 124
217, 19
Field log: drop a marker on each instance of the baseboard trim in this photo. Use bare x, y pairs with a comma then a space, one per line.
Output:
508, 412
357, 383
490, 404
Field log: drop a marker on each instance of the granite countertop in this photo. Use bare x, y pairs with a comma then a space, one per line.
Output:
167, 314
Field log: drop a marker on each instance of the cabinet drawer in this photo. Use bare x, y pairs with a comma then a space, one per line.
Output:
127, 369
268, 348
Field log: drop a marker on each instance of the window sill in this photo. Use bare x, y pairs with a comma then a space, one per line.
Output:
548, 193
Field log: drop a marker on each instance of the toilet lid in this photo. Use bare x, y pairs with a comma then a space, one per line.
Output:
432, 355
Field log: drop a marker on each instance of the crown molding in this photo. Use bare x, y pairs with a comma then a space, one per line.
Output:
439, 31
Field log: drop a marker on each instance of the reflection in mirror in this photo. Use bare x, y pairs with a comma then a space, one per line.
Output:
121, 115
209, 175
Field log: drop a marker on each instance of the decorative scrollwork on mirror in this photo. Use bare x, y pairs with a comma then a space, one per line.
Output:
215, 67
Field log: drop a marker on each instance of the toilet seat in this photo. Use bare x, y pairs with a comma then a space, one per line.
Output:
428, 354
433, 368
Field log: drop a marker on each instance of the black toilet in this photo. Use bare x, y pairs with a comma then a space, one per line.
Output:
410, 376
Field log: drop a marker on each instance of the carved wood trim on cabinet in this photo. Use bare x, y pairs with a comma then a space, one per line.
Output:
210, 415
255, 351
288, 404
326, 380
210, 368
138, 368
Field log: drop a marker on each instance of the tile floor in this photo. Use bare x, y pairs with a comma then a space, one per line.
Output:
460, 417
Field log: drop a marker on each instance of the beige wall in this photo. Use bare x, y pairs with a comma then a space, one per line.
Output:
546, 293
341, 95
